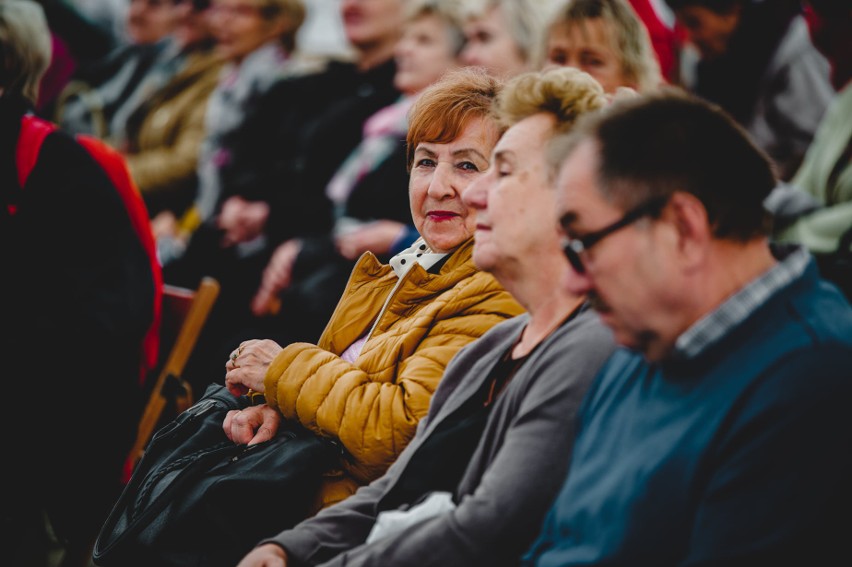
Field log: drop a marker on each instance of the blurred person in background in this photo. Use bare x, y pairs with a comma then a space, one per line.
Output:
163, 135
255, 39
504, 36
757, 62
102, 94
825, 177
606, 39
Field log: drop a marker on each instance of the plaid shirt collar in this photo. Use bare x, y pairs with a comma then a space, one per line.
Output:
734, 310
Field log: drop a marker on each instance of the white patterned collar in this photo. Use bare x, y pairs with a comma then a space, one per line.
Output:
417, 253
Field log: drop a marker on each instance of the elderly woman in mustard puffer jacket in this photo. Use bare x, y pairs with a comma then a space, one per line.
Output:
371, 377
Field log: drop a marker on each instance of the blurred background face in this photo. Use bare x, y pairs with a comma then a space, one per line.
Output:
371, 22
148, 21
440, 173
193, 22
587, 45
240, 28
709, 31
423, 54
490, 44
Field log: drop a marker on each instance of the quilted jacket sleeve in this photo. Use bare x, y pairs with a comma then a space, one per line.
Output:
373, 406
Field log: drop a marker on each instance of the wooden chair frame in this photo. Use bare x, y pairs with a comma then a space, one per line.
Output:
191, 309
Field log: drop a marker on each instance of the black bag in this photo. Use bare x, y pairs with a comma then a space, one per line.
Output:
198, 499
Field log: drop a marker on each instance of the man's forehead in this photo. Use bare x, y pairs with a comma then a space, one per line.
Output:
576, 183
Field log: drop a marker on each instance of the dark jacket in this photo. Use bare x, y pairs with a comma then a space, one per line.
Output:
78, 293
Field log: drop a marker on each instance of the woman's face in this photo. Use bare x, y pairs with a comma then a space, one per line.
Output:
240, 28
439, 175
588, 46
371, 22
490, 44
148, 21
708, 31
423, 54
193, 24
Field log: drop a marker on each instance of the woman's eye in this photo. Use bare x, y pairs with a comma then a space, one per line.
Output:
592, 61
558, 58
425, 162
468, 166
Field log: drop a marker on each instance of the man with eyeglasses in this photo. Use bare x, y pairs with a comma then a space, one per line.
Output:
721, 434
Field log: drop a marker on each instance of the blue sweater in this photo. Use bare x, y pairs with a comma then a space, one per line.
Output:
739, 456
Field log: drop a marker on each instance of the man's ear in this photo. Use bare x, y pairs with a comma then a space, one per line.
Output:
692, 226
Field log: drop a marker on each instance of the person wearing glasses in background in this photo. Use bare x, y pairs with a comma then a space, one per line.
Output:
720, 433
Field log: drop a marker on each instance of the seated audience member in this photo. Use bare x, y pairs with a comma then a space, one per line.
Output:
272, 177
486, 462
103, 93
504, 35
720, 434
306, 276
369, 379
826, 173
256, 39
758, 63
606, 39
79, 290
77, 40
163, 135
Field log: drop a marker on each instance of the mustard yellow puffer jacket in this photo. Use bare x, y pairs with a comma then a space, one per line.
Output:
373, 406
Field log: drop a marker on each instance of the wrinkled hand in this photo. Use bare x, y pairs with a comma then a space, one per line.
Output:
266, 555
241, 220
253, 425
377, 237
276, 277
247, 365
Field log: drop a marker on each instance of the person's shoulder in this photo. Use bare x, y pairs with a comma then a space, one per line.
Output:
60, 146
306, 76
579, 347
817, 310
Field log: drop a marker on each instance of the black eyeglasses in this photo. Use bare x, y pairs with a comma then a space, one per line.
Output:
573, 247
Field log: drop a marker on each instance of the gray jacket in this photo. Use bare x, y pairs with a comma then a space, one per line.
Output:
513, 475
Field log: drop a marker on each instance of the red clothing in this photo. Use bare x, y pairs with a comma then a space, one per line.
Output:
664, 38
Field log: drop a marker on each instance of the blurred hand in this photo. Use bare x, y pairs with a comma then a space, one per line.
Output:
377, 237
246, 368
276, 276
241, 220
253, 425
266, 555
